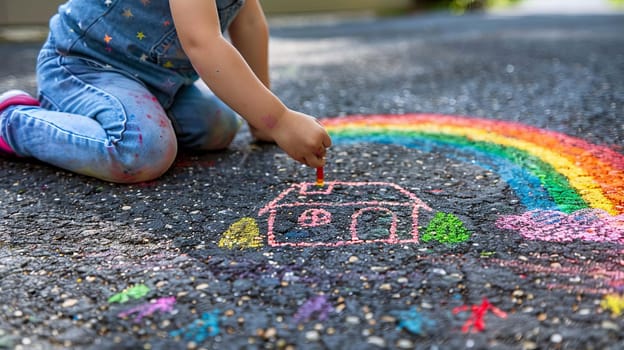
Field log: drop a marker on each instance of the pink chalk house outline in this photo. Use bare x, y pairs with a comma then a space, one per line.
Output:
360, 207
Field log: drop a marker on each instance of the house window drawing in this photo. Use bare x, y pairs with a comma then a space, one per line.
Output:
342, 213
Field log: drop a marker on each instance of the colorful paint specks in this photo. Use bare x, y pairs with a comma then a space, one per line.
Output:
613, 303
201, 329
163, 305
242, 234
476, 320
317, 307
599, 277
413, 321
135, 292
446, 228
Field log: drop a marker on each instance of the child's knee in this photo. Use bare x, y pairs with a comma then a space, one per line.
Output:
147, 162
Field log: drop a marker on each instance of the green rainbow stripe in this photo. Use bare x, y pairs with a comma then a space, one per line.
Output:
572, 173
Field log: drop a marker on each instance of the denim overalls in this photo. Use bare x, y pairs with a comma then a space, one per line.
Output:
118, 93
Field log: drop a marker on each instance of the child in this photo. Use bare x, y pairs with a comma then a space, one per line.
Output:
121, 85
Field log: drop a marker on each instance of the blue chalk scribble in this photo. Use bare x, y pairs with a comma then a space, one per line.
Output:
201, 329
413, 321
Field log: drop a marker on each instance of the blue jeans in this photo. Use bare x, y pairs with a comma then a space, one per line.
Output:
102, 122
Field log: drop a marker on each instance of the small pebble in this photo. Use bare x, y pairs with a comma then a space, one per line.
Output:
161, 284
389, 319
385, 286
126, 207
610, 325
529, 345
270, 333
202, 286
312, 336
377, 341
405, 344
69, 303
352, 320
353, 259
439, 271
556, 338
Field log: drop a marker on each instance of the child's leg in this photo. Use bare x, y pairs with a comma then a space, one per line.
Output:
94, 121
202, 121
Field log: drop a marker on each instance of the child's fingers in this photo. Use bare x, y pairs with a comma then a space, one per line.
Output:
327, 142
320, 152
314, 161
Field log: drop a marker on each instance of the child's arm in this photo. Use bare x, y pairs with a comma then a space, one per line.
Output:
249, 33
229, 76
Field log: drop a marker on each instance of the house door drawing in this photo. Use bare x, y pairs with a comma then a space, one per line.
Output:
374, 224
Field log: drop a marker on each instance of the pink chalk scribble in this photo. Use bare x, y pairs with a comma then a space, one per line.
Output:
597, 277
590, 225
148, 309
376, 212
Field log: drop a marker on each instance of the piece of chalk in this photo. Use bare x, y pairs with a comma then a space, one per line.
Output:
320, 180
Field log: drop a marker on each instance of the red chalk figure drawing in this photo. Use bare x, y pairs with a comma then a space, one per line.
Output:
343, 213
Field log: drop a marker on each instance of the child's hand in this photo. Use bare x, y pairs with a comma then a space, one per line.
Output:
302, 137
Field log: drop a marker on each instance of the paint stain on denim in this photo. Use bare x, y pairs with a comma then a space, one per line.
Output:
163, 122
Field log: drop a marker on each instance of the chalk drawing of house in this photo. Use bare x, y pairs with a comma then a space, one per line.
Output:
343, 213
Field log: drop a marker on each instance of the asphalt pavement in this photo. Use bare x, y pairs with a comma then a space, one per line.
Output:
472, 199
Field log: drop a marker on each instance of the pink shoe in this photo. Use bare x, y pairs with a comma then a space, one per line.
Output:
13, 98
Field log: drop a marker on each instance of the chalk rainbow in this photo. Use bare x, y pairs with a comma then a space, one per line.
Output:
546, 169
